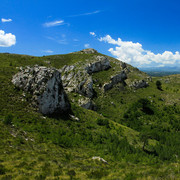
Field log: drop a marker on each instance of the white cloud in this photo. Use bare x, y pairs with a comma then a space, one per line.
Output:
5, 20
85, 14
7, 39
92, 33
48, 51
133, 53
87, 45
53, 23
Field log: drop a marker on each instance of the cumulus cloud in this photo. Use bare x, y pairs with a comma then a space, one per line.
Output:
133, 53
92, 33
5, 20
7, 39
53, 23
87, 45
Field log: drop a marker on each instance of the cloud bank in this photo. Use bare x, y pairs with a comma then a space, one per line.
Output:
5, 20
133, 53
53, 23
7, 39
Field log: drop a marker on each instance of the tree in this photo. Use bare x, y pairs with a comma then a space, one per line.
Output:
159, 85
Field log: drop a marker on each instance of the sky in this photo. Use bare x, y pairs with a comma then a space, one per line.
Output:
143, 33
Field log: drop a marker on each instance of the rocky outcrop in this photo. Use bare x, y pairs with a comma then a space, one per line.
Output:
139, 84
119, 78
102, 63
46, 87
80, 82
77, 78
88, 51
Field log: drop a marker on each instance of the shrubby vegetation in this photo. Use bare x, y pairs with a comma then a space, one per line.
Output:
138, 134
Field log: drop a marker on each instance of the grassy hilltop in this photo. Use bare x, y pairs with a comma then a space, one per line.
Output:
136, 131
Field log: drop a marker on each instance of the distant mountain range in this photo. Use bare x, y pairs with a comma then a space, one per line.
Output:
161, 71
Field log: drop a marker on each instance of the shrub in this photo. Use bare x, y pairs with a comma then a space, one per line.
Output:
103, 122
71, 173
97, 174
2, 170
159, 85
8, 119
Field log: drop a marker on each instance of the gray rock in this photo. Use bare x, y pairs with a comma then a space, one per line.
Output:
85, 87
87, 104
123, 65
119, 78
102, 63
46, 87
88, 51
139, 84
99, 159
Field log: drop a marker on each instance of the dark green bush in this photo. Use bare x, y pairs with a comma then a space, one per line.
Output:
103, 122
8, 119
159, 85
97, 174
2, 169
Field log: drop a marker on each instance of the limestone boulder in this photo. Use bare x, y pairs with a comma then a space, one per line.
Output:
46, 87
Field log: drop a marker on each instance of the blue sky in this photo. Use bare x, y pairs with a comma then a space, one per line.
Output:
148, 31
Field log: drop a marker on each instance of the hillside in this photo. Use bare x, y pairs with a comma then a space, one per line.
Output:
118, 114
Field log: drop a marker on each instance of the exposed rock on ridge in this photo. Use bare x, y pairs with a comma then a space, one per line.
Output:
119, 78
101, 65
46, 87
78, 78
88, 51
139, 84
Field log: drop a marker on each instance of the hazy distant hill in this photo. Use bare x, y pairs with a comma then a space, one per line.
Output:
161, 71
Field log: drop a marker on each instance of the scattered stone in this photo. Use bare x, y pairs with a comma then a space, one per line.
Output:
74, 118
99, 159
46, 87
47, 62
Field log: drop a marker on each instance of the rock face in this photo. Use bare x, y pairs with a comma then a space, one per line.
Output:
119, 78
139, 84
77, 78
46, 87
101, 64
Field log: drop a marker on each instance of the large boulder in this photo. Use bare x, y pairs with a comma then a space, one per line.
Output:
46, 87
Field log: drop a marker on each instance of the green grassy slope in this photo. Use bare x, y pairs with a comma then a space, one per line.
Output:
36, 147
